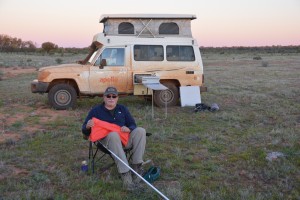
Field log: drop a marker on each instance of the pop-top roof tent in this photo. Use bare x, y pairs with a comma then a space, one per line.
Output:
147, 25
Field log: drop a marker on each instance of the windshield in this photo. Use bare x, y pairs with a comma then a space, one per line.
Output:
92, 57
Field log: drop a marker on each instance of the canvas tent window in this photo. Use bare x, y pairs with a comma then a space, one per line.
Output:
126, 28
170, 28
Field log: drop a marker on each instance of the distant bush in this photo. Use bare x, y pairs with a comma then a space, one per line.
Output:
48, 46
58, 60
61, 51
1, 75
264, 63
13, 44
257, 58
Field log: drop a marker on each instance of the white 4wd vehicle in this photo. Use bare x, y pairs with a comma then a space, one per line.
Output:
130, 46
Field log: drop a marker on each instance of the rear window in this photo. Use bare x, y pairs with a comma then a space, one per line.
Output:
148, 53
180, 53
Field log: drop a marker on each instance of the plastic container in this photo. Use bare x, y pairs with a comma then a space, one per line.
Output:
84, 166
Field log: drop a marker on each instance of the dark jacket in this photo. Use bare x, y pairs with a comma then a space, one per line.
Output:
121, 117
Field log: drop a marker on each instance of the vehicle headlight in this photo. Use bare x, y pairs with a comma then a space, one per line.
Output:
43, 75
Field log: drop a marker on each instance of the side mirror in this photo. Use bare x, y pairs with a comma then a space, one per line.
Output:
102, 63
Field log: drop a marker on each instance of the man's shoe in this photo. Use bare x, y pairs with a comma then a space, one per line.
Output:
139, 169
127, 181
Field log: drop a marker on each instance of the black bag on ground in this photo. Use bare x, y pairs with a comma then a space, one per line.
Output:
201, 107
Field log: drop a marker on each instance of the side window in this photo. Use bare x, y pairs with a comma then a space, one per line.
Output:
180, 53
113, 57
148, 53
125, 28
169, 28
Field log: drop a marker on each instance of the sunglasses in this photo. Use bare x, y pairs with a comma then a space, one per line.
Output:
111, 96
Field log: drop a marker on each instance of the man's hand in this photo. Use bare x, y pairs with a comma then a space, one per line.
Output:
125, 129
89, 124
85, 137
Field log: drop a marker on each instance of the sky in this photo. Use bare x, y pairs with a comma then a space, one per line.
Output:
219, 23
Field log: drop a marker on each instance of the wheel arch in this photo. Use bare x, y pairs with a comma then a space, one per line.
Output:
71, 82
171, 95
173, 81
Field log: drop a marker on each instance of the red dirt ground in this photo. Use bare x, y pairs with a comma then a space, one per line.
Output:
11, 72
8, 120
44, 114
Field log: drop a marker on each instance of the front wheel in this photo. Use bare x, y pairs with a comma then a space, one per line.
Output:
62, 96
169, 96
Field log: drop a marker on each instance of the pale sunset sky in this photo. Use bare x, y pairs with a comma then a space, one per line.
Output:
219, 23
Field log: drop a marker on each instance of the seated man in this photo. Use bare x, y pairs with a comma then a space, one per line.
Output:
116, 114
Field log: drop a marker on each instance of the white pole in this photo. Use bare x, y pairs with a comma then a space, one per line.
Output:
152, 104
161, 194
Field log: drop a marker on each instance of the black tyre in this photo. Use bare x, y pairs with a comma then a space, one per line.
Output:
169, 96
62, 96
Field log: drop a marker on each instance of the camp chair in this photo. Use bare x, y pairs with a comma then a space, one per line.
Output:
97, 147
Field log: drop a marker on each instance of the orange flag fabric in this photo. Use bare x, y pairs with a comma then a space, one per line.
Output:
102, 128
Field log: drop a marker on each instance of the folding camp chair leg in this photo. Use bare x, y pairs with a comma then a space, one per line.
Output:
93, 160
92, 157
91, 154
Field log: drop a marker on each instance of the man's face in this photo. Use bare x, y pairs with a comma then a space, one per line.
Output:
111, 100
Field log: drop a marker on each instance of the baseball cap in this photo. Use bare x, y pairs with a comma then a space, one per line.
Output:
111, 90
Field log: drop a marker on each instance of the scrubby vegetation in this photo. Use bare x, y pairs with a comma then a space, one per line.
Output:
253, 50
37, 60
203, 155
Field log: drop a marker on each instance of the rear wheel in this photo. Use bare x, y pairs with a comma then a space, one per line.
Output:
62, 96
169, 96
